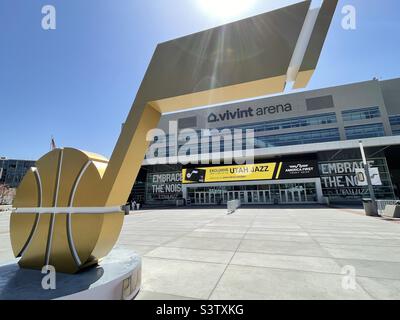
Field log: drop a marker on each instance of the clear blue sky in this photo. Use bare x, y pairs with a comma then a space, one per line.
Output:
78, 82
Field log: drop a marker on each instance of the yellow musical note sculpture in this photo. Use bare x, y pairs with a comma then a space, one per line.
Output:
68, 208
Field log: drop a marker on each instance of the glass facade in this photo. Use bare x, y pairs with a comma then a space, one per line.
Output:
395, 120
297, 138
253, 194
395, 124
365, 131
396, 132
324, 119
289, 139
314, 136
13, 171
361, 114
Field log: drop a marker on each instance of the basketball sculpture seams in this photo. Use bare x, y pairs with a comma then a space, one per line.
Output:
60, 218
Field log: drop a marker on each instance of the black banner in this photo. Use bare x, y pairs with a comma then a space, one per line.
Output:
213, 310
299, 170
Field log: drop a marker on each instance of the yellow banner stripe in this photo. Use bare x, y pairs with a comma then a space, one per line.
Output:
279, 171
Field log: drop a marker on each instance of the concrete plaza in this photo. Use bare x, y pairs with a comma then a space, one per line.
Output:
259, 253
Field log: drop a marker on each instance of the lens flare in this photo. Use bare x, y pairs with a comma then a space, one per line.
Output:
225, 8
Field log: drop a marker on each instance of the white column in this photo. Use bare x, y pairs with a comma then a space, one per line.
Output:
320, 194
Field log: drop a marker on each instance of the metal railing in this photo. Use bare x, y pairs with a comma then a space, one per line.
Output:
383, 203
233, 205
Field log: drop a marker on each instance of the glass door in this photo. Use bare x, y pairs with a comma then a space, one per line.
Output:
261, 196
197, 198
249, 197
256, 198
242, 197
268, 198
283, 196
225, 197
212, 198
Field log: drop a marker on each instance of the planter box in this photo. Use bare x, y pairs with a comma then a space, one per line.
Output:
392, 211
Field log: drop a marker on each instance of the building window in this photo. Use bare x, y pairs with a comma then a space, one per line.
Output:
298, 138
317, 120
300, 122
365, 131
395, 121
396, 132
361, 114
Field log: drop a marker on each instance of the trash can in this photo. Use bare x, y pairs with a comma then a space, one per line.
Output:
370, 208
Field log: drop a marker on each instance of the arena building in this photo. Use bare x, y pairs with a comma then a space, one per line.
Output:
306, 149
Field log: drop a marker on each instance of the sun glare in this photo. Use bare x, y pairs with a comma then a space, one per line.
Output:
225, 8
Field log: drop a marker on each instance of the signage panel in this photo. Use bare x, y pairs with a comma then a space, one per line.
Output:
250, 112
345, 179
252, 172
163, 187
298, 170
361, 177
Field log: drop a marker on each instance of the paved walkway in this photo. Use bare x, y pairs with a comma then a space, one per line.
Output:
260, 254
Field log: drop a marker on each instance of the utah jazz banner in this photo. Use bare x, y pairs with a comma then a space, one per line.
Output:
251, 172
261, 171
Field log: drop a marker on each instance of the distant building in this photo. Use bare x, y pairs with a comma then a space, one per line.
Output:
12, 171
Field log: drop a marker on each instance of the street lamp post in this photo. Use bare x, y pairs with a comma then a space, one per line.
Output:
368, 176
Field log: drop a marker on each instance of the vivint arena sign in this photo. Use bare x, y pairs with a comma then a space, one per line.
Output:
230, 115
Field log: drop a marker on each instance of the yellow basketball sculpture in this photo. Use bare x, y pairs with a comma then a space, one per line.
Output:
68, 208
56, 234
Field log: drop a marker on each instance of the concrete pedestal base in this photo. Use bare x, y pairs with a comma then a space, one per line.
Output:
117, 277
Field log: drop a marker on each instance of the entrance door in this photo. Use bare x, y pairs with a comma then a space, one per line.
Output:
225, 197
261, 196
202, 197
264, 196
249, 197
268, 198
233, 195
205, 198
283, 196
256, 198
293, 195
242, 197
197, 198
214, 198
